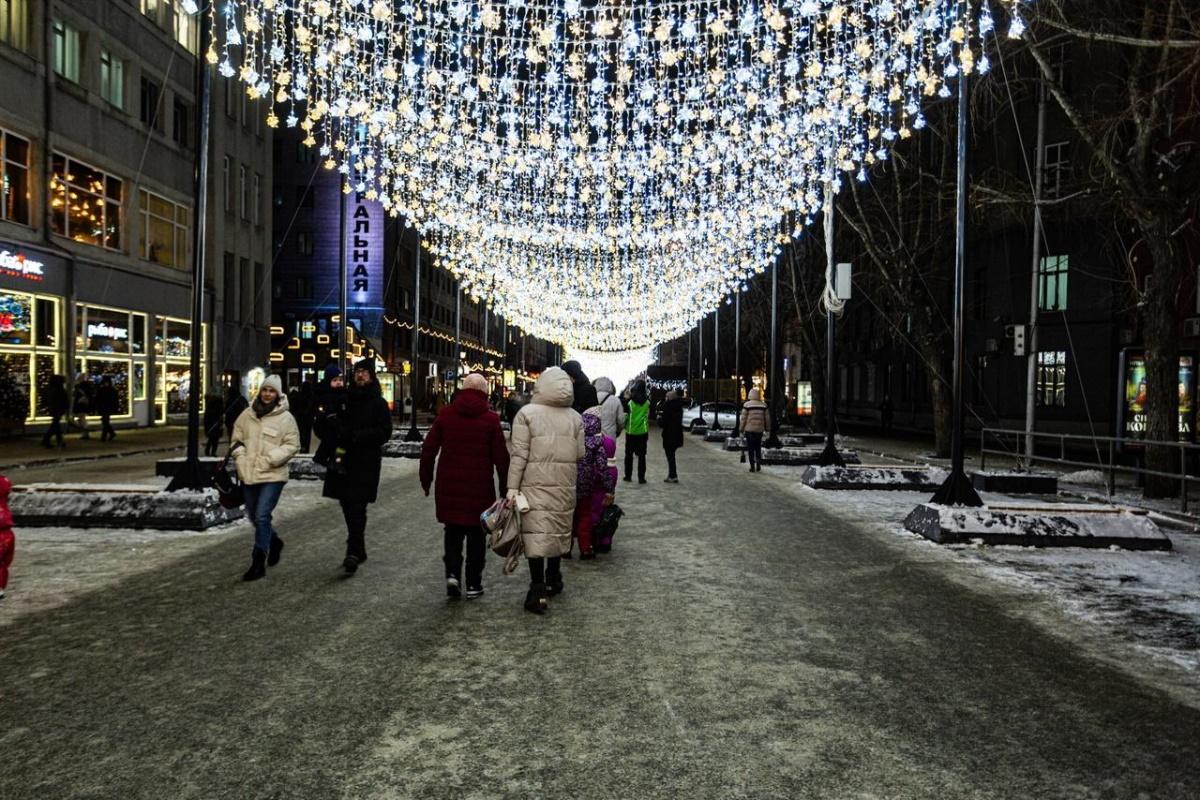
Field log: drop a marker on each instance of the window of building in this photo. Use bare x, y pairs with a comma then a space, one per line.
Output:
1056, 168
14, 23
151, 96
151, 8
112, 79
256, 199
1051, 387
85, 203
15, 207
165, 230
304, 243
186, 32
243, 193
245, 107
260, 281
230, 286
1052, 283
231, 99
66, 51
227, 179
180, 122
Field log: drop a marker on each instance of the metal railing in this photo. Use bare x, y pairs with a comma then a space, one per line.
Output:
1110, 468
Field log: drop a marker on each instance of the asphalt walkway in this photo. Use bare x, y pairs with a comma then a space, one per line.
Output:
738, 643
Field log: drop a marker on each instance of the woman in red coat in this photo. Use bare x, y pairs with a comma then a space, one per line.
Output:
471, 454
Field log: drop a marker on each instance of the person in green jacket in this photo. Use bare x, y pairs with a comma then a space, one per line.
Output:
637, 429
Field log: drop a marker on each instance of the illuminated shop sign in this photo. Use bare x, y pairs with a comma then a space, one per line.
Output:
22, 266
365, 251
106, 331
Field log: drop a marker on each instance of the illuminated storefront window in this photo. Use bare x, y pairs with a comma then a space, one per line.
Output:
85, 203
28, 355
173, 351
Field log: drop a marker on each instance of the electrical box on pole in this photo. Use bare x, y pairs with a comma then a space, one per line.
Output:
842, 284
1017, 334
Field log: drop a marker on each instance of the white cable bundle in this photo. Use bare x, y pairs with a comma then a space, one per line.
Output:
829, 298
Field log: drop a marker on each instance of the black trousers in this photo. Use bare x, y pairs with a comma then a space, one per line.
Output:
635, 444
670, 451
106, 428
356, 527
476, 552
754, 448
542, 568
305, 429
213, 444
55, 430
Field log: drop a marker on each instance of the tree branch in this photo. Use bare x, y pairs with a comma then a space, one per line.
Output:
1132, 41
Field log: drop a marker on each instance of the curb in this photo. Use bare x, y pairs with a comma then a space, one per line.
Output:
47, 462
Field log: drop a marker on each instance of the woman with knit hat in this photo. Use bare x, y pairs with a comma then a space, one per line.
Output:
265, 438
359, 427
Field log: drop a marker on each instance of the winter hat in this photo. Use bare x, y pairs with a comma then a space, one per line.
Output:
574, 369
274, 382
755, 394
475, 381
368, 364
332, 371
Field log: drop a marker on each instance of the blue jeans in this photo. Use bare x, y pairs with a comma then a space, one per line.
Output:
261, 499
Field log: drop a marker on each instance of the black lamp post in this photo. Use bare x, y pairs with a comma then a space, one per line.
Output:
737, 361
830, 457
414, 435
773, 376
716, 426
190, 474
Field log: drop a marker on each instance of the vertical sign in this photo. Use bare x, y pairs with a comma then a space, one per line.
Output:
364, 283
1132, 423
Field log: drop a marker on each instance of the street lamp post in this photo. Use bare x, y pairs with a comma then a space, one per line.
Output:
190, 475
413, 434
458, 353
737, 361
773, 376
957, 489
830, 457
716, 426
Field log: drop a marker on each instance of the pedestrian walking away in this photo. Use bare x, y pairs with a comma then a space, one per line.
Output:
214, 419
8, 540
81, 404
356, 423
612, 413
670, 419
547, 443
57, 404
469, 449
583, 393
108, 402
754, 422
265, 439
235, 404
301, 399
637, 430
591, 474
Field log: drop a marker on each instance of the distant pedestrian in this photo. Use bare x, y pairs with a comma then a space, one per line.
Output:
637, 429
57, 404
755, 421
8, 540
612, 413
108, 402
583, 393
214, 419
358, 424
547, 443
235, 404
469, 448
301, 400
885, 415
265, 439
513, 404
670, 420
81, 404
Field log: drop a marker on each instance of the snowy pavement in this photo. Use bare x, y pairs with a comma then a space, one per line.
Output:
747, 639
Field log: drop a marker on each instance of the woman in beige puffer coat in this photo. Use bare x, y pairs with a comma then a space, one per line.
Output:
547, 442
754, 422
265, 438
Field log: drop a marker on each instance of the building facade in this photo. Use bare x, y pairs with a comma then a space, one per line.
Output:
97, 121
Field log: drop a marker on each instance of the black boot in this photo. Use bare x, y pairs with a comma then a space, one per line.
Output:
554, 585
258, 566
535, 598
350, 562
275, 551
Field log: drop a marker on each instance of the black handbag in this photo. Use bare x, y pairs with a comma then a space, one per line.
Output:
229, 487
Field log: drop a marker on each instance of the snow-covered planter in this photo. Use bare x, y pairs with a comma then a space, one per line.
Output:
873, 477
800, 456
399, 449
717, 436
303, 468
1013, 482
801, 439
735, 443
117, 506
1038, 526
400, 431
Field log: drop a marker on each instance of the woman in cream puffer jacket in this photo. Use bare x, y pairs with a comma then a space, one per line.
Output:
547, 443
265, 438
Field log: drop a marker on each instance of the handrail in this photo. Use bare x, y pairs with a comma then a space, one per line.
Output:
1023, 438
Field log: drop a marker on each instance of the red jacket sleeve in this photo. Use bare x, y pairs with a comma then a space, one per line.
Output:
429, 451
500, 455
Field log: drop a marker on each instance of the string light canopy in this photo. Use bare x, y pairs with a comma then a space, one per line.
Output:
604, 173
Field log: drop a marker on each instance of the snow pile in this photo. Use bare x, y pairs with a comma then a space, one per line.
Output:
801, 456
1058, 526
1091, 477
874, 477
400, 449
117, 506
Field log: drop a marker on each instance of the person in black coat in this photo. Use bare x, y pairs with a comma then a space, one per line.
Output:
303, 411
671, 422
214, 420
585, 393
359, 423
57, 404
235, 404
328, 399
108, 402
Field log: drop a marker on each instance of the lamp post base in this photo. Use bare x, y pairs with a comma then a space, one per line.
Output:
413, 434
830, 457
957, 490
191, 476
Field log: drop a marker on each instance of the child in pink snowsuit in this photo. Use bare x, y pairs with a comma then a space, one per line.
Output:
7, 540
606, 487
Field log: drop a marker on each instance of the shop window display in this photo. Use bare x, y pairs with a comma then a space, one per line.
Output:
14, 390
85, 203
119, 370
16, 319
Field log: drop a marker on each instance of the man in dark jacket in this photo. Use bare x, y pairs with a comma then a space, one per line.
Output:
671, 422
360, 425
470, 451
214, 417
585, 394
57, 404
108, 402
